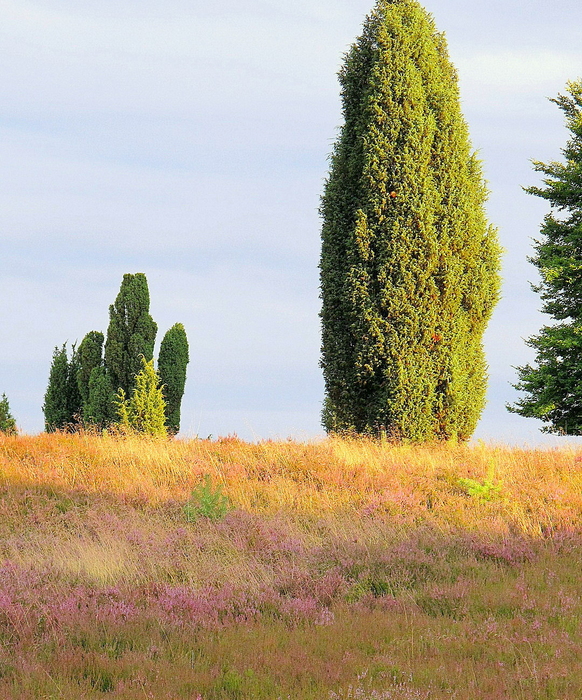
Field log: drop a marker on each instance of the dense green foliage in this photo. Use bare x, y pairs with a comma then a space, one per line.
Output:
131, 332
207, 501
74, 398
62, 400
55, 399
90, 356
172, 362
553, 387
144, 410
409, 264
87, 389
7, 422
99, 410
94, 383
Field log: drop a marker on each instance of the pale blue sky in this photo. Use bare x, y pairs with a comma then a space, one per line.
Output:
189, 141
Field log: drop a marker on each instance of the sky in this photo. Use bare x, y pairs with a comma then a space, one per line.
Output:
189, 140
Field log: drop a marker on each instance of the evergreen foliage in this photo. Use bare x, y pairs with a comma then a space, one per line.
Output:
99, 410
172, 362
62, 401
553, 386
7, 422
90, 355
89, 386
131, 332
56, 414
74, 398
144, 411
409, 264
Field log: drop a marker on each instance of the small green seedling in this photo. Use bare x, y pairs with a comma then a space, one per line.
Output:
207, 501
486, 490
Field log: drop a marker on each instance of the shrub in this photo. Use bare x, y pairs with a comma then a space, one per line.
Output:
7, 422
144, 411
207, 501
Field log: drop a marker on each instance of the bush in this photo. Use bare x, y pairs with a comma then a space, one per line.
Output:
206, 501
144, 412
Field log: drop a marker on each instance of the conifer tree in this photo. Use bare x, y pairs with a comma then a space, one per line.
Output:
409, 265
55, 408
90, 354
99, 409
62, 401
553, 386
172, 362
74, 399
7, 422
131, 332
144, 411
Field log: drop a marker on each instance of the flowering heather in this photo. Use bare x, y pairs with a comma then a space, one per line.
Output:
341, 569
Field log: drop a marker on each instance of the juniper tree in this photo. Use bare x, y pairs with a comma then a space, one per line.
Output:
62, 401
7, 422
409, 264
74, 398
144, 411
99, 409
172, 362
553, 385
90, 355
131, 332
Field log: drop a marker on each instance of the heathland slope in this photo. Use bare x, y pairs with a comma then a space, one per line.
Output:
338, 569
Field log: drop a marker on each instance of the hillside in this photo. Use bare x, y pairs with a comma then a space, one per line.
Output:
338, 569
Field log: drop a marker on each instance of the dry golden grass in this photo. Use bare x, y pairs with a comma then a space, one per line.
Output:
346, 569
538, 491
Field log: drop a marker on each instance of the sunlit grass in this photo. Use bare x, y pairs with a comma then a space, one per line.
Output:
341, 569
536, 490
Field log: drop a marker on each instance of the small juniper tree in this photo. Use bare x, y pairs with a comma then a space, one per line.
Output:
553, 385
62, 400
131, 332
144, 411
172, 362
7, 422
409, 264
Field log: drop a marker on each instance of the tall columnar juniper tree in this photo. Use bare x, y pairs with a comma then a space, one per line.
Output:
99, 409
74, 398
553, 386
131, 333
62, 400
98, 405
409, 265
56, 414
90, 354
172, 362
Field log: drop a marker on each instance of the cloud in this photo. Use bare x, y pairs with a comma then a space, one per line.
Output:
66, 62
515, 81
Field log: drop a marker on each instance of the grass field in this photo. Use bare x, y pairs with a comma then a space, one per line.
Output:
211, 570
